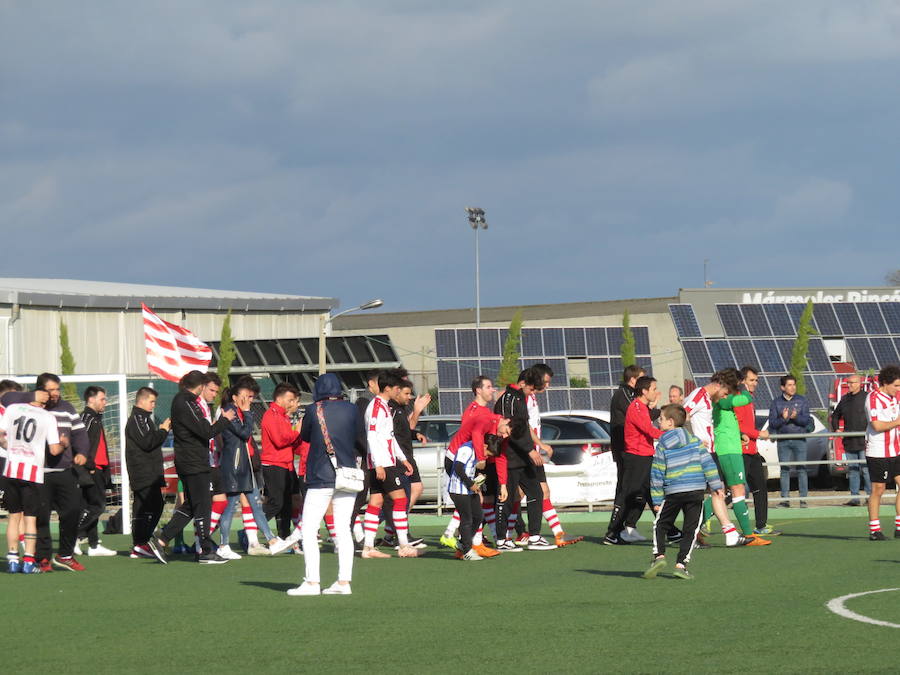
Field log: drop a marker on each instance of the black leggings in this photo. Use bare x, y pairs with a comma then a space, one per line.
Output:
526, 478
147, 507
470, 518
197, 507
755, 472
691, 504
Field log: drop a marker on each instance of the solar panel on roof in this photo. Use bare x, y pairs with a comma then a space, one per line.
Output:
448, 375
614, 339
490, 368
615, 370
795, 310
861, 353
817, 356
826, 320
769, 357
812, 394
755, 318
580, 399
489, 342
466, 342
885, 351
468, 369
732, 321
542, 400
897, 343
779, 320
685, 321
557, 399
601, 398
596, 341
785, 348
641, 340
558, 366
762, 397
575, 344
849, 318
774, 384
532, 345
891, 312
698, 357
598, 372
553, 342
871, 317
720, 354
445, 343
449, 403
744, 354
646, 363
825, 385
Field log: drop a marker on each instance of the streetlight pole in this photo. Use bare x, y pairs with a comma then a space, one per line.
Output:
325, 326
477, 222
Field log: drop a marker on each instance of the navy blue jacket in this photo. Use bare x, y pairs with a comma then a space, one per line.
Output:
798, 425
345, 427
234, 462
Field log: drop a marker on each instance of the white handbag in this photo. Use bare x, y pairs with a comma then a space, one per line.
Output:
346, 478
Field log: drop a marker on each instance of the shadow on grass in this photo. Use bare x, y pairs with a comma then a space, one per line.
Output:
279, 587
888, 561
791, 535
613, 573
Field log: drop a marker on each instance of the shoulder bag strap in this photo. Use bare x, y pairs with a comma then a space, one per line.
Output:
329, 448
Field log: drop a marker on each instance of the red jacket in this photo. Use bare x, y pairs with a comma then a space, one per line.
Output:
639, 430
279, 441
746, 418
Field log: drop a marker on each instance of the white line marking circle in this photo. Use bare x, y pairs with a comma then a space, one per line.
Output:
837, 606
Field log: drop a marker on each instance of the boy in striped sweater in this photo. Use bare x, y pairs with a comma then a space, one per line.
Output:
681, 470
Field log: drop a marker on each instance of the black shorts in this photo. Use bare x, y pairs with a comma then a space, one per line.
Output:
883, 469
491, 486
22, 497
415, 477
391, 482
215, 480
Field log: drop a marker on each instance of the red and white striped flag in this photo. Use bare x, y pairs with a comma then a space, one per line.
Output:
172, 351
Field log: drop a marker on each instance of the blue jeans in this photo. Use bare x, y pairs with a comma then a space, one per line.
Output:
853, 471
259, 515
793, 451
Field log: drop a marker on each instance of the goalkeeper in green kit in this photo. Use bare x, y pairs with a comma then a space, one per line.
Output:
729, 452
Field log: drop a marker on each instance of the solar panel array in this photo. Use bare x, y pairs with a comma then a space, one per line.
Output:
762, 335
462, 355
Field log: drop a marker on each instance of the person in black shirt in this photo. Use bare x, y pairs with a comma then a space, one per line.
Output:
852, 410
144, 459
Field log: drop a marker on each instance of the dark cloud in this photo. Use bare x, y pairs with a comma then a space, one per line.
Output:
308, 147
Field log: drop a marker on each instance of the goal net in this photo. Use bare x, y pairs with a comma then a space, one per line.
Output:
118, 407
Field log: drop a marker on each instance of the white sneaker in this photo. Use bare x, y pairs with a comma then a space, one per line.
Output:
257, 549
77, 550
305, 589
285, 544
227, 553
540, 544
632, 536
337, 589
297, 549
472, 555
100, 551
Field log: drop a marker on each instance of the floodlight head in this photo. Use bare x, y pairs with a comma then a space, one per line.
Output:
476, 217
372, 304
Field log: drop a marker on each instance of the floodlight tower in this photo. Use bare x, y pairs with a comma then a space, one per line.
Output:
477, 222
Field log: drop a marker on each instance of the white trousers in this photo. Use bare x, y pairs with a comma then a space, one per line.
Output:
314, 506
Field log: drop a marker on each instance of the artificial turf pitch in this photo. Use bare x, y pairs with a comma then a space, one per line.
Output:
583, 608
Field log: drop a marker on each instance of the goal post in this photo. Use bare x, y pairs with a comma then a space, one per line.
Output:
115, 417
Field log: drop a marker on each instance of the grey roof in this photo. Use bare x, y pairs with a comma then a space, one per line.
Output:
564, 310
73, 293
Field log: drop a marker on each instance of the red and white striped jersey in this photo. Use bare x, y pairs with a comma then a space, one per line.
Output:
883, 408
28, 431
383, 448
699, 409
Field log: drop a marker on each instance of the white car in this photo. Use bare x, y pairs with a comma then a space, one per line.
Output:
816, 449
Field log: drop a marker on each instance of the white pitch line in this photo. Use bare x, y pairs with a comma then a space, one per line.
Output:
837, 606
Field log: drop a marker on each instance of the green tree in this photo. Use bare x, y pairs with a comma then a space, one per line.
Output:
434, 408
576, 382
801, 347
509, 367
67, 364
627, 348
226, 355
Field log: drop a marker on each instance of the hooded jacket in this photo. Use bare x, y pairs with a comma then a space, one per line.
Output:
346, 430
235, 466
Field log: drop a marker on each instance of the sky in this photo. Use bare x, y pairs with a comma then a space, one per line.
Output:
329, 148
